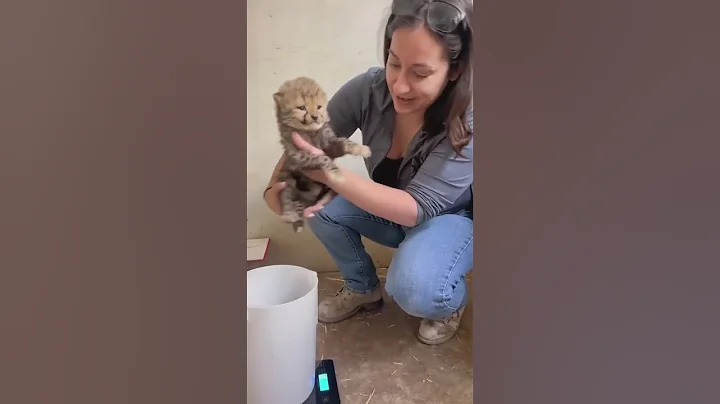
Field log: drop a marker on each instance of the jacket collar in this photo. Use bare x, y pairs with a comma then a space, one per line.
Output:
380, 91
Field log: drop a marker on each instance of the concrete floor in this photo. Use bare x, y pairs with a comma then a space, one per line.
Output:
378, 359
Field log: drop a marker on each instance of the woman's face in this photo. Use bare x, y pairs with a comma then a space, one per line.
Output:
416, 70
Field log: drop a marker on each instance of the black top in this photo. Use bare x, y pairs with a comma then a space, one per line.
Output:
386, 172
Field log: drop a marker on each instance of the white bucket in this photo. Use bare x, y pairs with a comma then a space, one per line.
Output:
282, 317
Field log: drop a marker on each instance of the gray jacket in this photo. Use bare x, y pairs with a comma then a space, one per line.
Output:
431, 171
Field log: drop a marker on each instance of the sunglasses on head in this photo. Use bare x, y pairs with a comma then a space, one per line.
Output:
442, 16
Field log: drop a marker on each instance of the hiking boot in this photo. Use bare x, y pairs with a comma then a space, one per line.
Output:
433, 332
346, 303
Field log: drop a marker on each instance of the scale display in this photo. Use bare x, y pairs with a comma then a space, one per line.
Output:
323, 383
326, 386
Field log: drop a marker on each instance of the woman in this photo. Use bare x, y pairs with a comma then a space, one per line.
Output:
415, 115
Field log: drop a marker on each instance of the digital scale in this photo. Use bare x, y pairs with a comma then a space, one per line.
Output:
326, 386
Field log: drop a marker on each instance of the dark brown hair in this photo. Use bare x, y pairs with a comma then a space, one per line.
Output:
448, 111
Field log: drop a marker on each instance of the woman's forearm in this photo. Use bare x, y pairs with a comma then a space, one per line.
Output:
389, 203
276, 170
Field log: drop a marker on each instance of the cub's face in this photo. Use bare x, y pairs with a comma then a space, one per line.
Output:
301, 103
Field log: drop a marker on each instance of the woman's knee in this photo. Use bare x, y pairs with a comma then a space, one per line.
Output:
427, 275
422, 289
420, 296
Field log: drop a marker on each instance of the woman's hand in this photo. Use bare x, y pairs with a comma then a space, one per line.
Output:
272, 197
305, 146
315, 175
302, 144
272, 200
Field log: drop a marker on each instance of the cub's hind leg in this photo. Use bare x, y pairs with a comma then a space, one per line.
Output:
292, 207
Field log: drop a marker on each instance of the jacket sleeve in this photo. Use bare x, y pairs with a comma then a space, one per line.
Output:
443, 177
346, 107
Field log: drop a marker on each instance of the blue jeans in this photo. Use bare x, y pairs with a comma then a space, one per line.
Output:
426, 277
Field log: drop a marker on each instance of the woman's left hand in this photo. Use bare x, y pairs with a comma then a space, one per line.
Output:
315, 175
304, 145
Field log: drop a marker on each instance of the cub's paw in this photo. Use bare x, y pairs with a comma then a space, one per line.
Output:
298, 226
360, 150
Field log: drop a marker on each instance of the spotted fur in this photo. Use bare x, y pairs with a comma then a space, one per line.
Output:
301, 106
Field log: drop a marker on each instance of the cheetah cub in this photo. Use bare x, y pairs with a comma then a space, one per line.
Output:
301, 106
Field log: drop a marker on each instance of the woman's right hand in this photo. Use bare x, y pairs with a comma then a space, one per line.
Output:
272, 197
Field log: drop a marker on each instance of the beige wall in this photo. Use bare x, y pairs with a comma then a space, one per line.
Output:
329, 40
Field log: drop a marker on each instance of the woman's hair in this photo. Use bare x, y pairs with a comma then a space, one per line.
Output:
448, 111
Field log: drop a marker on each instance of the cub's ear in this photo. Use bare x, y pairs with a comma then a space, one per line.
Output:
277, 97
